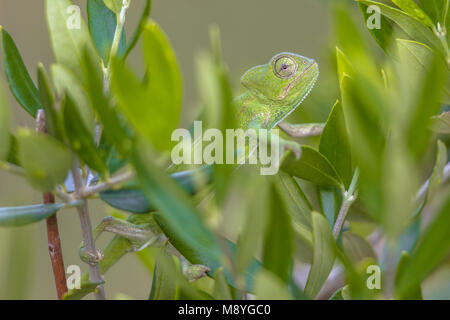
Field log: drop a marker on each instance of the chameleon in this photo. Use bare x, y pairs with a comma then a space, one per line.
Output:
273, 91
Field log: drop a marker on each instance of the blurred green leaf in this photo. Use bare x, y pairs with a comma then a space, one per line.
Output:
441, 123
334, 144
157, 102
411, 8
415, 29
141, 25
5, 123
323, 256
329, 200
21, 216
298, 206
102, 25
68, 43
356, 247
114, 5
343, 64
438, 170
114, 129
383, 35
311, 166
80, 139
278, 248
413, 293
19, 80
269, 287
222, 290
53, 121
432, 248
427, 95
178, 218
45, 160
67, 84
436, 10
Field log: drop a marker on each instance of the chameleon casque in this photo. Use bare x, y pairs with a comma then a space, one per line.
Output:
273, 91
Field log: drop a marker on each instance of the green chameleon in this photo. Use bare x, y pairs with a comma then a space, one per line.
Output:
274, 90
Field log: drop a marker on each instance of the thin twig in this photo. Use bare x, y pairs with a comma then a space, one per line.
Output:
54, 242
86, 227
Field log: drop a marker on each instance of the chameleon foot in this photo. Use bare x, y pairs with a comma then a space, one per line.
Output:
293, 146
193, 272
89, 257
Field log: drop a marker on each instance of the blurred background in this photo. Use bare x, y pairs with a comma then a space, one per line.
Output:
252, 32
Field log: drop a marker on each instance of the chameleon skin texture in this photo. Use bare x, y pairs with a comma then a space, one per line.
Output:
275, 89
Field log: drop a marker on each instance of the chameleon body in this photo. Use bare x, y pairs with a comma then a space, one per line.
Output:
273, 91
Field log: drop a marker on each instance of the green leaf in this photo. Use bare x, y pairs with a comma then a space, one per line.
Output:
102, 25
5, 123
221, 289
85, 288
80, 139
141, 25
356, 247
53, 121
21, 216
114, 5
159, 98
45, 160
178, 218
133, 200
428, 92
67, 84
411, 8
334, 144
68, 42
114, 130
278, 248
431, 250
269, 287
383, 35
323, 256
414, 293
441, 123
19, 80
343, 64
311, 166
298, 206
435, 9
415, 29
330, 200
438, 170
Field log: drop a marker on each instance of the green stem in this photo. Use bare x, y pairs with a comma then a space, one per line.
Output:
349, 197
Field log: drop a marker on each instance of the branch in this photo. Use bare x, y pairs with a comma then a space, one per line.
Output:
113, 182
54, 242
86, 227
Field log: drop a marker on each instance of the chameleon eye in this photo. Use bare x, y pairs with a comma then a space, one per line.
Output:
284, 67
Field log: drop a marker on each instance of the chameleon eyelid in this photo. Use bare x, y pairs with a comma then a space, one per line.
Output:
291, 60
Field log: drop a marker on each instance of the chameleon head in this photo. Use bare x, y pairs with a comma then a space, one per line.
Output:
285, 81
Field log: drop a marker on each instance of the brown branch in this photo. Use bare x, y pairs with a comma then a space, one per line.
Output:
54, 242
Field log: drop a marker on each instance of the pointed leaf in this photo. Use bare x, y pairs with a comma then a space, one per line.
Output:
21, 216
311, 166
5, 123
141, 25
19, 80
323, 256
102, 25
68, 41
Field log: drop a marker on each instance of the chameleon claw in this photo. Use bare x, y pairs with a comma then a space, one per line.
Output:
294, 147
89, 257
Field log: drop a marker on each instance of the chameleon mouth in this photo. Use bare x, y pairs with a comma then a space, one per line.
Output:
296, 80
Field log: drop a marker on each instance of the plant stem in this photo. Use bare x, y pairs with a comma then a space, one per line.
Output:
86, 227
120, 179
349, 197
54, 242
